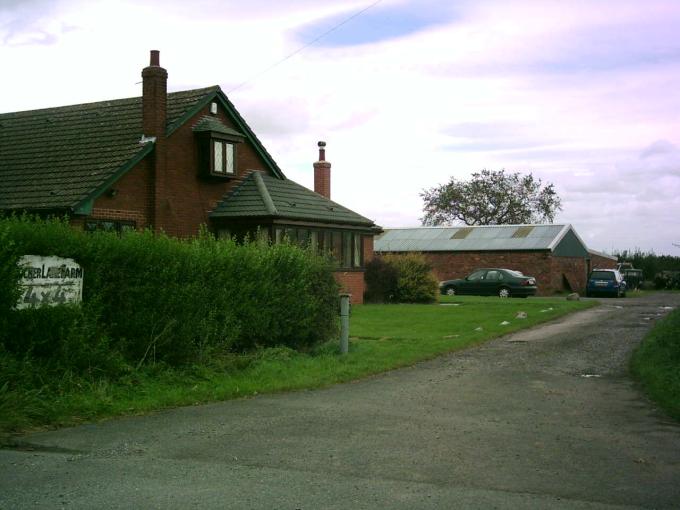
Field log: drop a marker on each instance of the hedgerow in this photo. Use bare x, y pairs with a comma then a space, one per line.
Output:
151, 298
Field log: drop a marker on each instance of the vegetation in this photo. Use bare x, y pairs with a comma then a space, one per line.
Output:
656, 363
383, 337
406, 278
491, 198
662, 270
151, 301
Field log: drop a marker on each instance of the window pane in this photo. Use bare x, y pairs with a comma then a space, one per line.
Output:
314, 241
230, 158
108, 226
278, 235
218, 160
337, 247
476, 275
327, 241
357, 250
347, 249
291, 235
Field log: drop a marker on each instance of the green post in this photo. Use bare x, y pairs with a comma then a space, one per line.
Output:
344, 323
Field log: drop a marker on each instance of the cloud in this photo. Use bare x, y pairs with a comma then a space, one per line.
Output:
31, 22
660, 147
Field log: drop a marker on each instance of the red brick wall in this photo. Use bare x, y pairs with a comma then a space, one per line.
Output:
368, 249
596, 261
547, 269
189, 197
352, 282
568, 274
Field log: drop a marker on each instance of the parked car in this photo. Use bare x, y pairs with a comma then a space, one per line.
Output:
491, 281
607, 282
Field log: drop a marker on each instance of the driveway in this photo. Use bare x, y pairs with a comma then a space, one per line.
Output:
547, 418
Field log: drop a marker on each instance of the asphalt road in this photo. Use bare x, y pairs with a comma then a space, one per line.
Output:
547, 418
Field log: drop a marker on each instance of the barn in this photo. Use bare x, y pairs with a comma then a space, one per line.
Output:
554, 254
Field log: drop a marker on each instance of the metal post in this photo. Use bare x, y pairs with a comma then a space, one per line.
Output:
344, 323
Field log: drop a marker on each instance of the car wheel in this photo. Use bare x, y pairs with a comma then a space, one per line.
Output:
503, 292
450, 291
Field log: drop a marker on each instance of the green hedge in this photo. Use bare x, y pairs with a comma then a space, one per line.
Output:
149, 297
403, 278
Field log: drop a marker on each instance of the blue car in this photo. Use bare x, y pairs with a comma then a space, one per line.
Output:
605, 282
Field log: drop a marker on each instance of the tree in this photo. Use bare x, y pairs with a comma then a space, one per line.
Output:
491, 198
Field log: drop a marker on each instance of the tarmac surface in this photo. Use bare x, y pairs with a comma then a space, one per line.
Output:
546, 418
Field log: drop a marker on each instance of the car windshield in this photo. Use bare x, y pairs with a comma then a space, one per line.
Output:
602, 275
514, 273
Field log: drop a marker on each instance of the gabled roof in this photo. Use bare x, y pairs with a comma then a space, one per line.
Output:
477, 238
602, 254
263, 196
61, 158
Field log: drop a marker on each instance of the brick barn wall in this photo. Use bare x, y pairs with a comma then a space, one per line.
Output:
353, 283
569, 274
599, 262
547, 270
368, 249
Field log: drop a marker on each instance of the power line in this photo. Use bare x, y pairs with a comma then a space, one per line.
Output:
301, 48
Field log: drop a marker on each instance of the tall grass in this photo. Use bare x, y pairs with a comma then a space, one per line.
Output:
656, 363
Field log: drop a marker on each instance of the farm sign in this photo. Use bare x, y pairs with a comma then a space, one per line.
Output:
49, 281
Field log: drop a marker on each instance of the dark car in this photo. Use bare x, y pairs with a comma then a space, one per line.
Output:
605, 282
491, 282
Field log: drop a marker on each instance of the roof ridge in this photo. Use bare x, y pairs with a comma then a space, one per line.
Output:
264, 193
442, 227
48, 109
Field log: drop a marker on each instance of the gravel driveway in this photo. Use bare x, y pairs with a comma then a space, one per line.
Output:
547, 418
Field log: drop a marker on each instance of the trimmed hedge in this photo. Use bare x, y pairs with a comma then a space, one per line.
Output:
403, 278
149, 297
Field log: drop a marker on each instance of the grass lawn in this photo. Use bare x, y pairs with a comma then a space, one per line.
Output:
656, 363
382, 337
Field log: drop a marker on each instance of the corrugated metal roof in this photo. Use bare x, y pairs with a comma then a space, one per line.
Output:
479, 238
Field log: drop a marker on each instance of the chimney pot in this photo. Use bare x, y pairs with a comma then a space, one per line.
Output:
155, 59
322, 173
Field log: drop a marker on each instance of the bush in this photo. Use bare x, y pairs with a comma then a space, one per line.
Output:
382, 279
154, 298
401, 279
9, 274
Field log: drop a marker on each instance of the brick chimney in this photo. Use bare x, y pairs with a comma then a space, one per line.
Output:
154, 97
322, 173
154, 111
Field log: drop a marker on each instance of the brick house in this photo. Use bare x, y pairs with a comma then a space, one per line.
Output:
172, 162
554, 254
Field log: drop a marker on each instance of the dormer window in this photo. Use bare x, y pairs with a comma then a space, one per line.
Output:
223, 157
217, 144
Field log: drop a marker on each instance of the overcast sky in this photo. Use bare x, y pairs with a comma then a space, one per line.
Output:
407, 94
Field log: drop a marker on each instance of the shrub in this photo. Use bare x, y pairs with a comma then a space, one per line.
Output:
9, 273
381, 281
416, 283
404, 278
